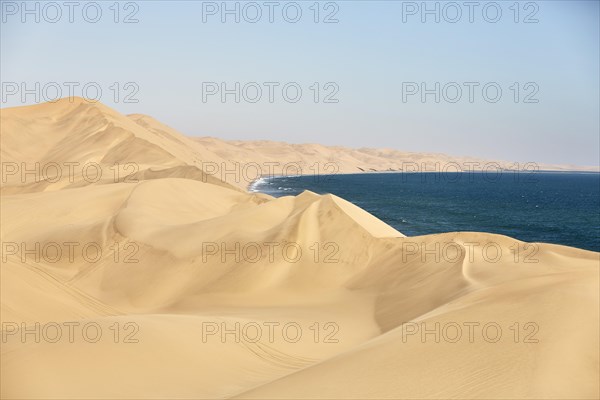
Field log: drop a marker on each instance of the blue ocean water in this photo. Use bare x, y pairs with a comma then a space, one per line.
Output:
561, 208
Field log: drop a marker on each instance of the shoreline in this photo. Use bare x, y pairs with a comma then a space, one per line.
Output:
250, 185
513, 191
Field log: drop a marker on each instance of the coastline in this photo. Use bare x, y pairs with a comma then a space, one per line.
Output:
467, 204
255, 181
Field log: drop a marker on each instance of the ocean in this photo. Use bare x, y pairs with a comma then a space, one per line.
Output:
560, 208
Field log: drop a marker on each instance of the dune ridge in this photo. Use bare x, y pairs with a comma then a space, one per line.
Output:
166, 260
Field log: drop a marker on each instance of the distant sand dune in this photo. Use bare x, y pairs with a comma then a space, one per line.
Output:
162, 269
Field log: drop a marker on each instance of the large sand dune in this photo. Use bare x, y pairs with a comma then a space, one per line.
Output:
203, 290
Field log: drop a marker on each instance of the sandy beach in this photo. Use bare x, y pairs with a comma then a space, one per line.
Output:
135, 264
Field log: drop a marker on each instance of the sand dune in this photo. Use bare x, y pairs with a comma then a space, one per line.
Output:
200, 289
316, 158
78, 143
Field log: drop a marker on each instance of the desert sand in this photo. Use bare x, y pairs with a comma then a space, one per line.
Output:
133, 267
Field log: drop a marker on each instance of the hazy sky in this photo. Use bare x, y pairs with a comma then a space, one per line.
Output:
375, 61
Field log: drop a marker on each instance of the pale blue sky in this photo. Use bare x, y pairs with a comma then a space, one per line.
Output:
369, 53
